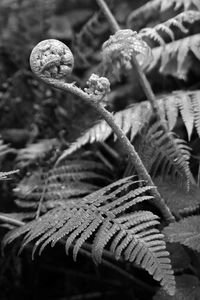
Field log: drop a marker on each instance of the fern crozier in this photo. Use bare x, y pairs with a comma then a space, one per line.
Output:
51, 58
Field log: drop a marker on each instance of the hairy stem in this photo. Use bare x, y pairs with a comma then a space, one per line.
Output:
155, 108
128, 147
112, 21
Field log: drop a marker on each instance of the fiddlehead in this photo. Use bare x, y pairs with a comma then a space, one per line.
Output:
52, 58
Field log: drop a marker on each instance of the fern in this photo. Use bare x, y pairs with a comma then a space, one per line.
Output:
188, 104
86, 43
151, 10
175, 58
177, 4
161, 151
107, 213
186, 232
178, 21
75, 178
130, 120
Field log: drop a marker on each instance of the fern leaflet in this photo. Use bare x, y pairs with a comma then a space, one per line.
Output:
174, 58
160, 150
178, 21
107, 213
130, 120
74, 178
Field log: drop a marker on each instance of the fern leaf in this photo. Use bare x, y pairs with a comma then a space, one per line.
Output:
161, 151
132, 119
129, 120
178, 21
186, 232
107, 213
174, 58
188, 104
88, 41
151, 10
75, 178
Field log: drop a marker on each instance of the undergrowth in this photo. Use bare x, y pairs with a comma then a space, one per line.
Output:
103, 159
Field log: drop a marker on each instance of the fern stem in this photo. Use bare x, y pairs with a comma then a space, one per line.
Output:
9, 220
141, 76
126, 144
137, 162
109, 16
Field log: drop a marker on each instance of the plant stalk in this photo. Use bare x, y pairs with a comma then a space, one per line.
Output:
141, 76
109, 16
126, 144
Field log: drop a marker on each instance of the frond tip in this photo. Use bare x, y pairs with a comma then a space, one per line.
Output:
107, 213
120, 47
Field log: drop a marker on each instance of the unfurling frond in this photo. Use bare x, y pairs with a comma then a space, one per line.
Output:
118, 50
155, 33
108, 214
175, 58
74, 178
177, 4
162, 151
186, 232
188, 104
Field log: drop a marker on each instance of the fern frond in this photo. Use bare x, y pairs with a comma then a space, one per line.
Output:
130, 120
162, 151
107, 213
87, 42
174, 58
75, 178
178, 21
177, 4
186, 232
152, 8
